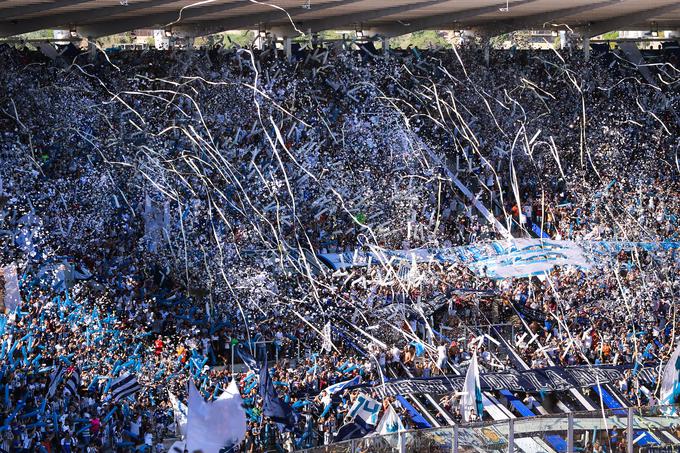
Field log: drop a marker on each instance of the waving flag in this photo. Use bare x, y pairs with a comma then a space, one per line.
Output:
670, 382
72, 383
247, 358
390, 423
179, 411
218, 425
471, 401
55, 378
272, 406
124, 386
340, 386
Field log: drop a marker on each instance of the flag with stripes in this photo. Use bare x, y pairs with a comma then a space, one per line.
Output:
124, 386
73, 382
55, 378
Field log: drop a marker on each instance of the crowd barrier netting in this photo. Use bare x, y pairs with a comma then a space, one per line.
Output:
654, 428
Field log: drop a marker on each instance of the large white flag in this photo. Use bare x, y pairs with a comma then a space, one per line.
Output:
390, 423
212, 426
471, 400
670, 382
179, 409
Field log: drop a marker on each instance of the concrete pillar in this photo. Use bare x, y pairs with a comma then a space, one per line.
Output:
570, 432
385, 44
629, 431
259, 40
454, 444
511, 435
586, 49
563, 39
91, 50
288, 48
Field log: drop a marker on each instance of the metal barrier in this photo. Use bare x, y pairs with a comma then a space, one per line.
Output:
618, 430
272, 350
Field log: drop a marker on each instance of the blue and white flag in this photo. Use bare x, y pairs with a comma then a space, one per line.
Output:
247, 358
340, 386
670, 382
390, 425
365, 410
72, 384
55, 378
471, 400
390, 422
123, 387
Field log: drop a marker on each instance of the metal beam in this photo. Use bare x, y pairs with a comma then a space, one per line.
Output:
621, 22
439, 20
18, 27
21, 10
160, 20
540, 20
329, 23
249, 20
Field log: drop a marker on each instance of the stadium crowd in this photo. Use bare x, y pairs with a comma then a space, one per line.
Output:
163, 208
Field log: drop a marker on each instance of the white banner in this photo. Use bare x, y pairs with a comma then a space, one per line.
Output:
12, 297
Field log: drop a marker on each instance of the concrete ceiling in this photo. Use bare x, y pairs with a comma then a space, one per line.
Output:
94, 18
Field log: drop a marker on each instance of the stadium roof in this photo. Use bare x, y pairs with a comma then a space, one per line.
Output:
94, 18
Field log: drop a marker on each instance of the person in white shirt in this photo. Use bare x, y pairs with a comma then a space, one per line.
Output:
442, 358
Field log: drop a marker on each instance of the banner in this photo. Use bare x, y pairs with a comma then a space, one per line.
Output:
12, 298
365, 410
553, 379
500, 259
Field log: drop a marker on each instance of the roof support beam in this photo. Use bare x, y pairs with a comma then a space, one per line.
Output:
542, 20
68, 19
159, 20
20, 10
249, 20
619, 22
440, 20
329, 23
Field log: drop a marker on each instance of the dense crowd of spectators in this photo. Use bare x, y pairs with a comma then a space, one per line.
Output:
163, 209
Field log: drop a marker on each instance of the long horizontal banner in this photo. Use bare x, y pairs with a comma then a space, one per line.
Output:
499, 259
553, 379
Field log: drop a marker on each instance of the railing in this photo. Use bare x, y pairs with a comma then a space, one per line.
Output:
653, 428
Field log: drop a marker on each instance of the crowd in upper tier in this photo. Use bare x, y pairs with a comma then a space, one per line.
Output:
163, 209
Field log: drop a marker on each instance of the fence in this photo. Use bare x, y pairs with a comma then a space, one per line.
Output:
653, 429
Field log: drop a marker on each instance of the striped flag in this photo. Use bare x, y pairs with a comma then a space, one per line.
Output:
124, 386
55, 378
73, 382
